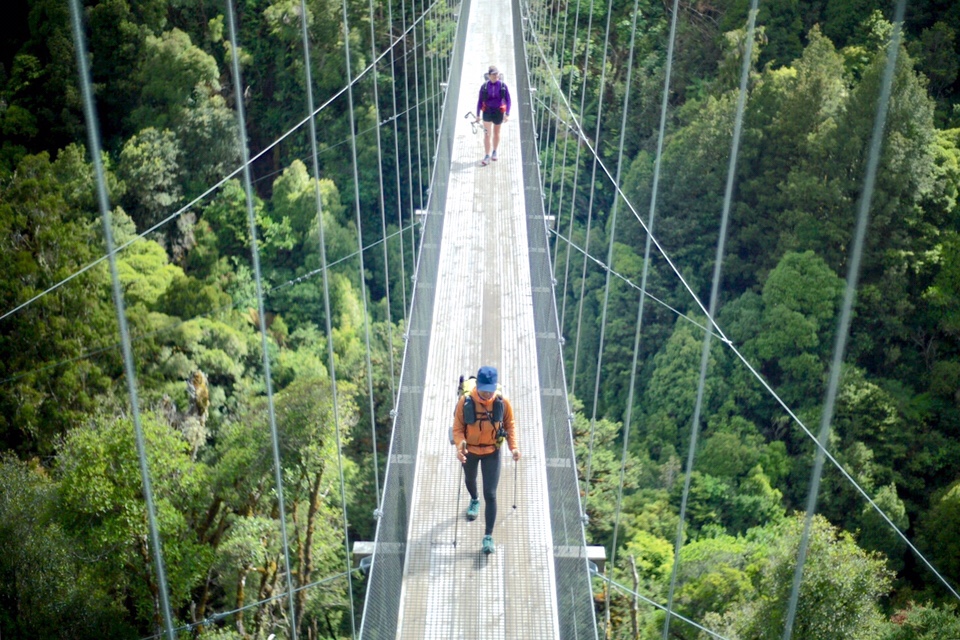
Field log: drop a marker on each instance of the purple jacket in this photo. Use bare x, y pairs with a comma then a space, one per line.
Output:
494, 96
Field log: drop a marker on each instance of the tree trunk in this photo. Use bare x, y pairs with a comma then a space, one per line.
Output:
306, 566
268, 574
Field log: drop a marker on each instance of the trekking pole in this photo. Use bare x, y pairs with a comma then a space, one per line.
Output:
515, 464
456, 521
473, 129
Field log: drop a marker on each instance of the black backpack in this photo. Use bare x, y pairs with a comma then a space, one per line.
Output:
495, 417
486, 91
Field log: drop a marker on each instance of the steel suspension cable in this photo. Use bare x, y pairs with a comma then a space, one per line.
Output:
843, 327
541, 120
396, 165
606, 293
363, 282
423, 59
543, 16
439, 46
840, 468
816, 441
557, 54
545, 138
386, 259
531, 18
444, 46
103, 201
556, 126
206, 193
714, 297
628, 420
416, 94
583, 280
756, 374
406, 96
430, 74
573, 196
213, 618
639, 288
424, 131
627, 590
262, 320
563, 169
435, 56
331, 359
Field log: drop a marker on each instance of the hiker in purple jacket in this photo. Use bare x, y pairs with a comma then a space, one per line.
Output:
494, 105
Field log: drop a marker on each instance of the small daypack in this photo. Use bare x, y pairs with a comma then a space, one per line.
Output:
486, 91
495, 417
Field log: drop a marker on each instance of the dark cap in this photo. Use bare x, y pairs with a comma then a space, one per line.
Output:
487, 379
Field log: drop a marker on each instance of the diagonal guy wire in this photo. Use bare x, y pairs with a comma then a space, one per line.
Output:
235, 172
714, 297
255, 255
846, 312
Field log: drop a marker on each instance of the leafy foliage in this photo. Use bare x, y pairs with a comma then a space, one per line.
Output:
71, 505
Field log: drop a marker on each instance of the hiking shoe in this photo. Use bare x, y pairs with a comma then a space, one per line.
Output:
473, 510
488, 544
485, 161
494, 155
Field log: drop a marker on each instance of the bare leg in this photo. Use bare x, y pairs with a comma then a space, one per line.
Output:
496, 137
486, 137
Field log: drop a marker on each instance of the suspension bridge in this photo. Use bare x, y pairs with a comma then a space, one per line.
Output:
429, 578
484, 292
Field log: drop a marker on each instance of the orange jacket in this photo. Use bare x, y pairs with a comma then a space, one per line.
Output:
481, 436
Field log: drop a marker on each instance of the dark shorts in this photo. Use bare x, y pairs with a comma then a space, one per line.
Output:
496, 117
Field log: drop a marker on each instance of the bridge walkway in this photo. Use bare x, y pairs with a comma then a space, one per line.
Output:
483, 314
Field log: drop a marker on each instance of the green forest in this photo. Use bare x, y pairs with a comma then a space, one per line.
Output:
75, 553
812, 98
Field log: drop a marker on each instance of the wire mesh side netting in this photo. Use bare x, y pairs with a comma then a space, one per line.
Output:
381, 607
573, 588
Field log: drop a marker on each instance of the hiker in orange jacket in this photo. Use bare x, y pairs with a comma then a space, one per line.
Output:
478, 444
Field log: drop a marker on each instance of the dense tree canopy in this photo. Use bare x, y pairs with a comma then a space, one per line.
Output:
812, 96
70, 483
71, 503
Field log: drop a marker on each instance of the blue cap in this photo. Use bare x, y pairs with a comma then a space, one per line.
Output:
487, 379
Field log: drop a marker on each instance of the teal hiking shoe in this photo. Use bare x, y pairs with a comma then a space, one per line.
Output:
473, 510
488, 544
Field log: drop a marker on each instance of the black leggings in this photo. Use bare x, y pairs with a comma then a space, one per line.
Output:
491, 478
